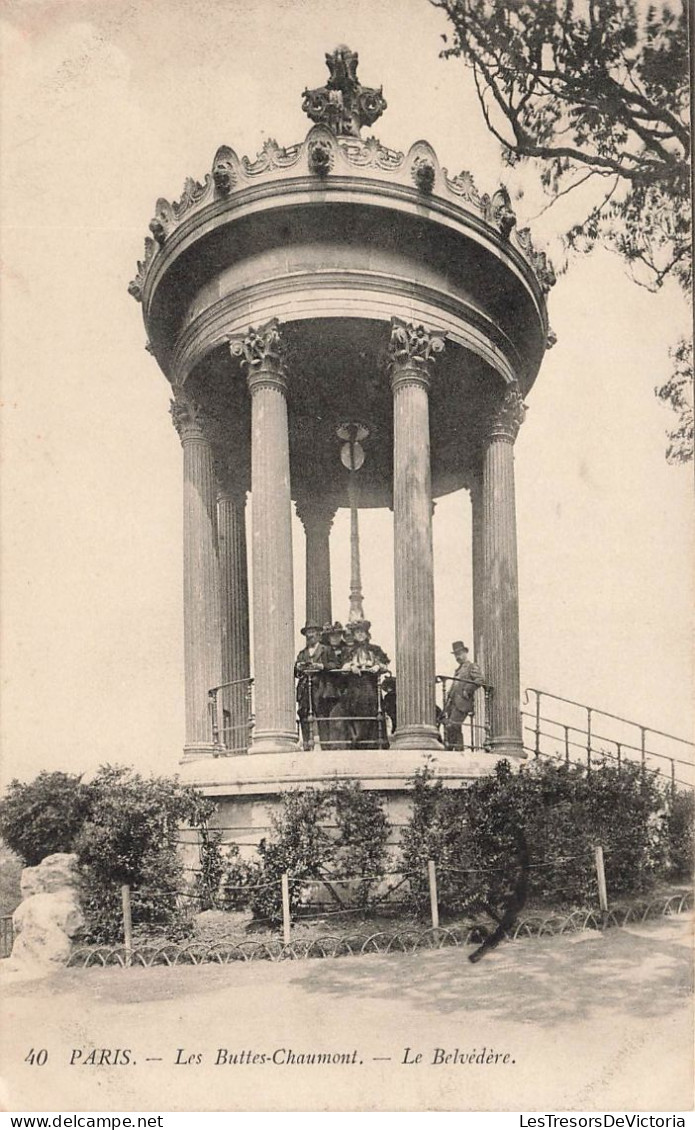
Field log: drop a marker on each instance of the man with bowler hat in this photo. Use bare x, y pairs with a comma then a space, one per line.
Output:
460, 700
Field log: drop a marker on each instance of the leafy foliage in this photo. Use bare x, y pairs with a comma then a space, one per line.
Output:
124, 829
479, 835
10, 875
678, 392
43, 816
678, 837
319, 835
595, 91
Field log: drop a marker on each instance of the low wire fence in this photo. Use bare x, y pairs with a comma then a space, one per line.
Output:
507, 919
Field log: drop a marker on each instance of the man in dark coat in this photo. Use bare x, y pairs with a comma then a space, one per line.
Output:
364, 662
460, 700
333, 685
309, 665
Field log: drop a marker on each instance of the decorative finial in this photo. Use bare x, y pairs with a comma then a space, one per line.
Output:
343, 104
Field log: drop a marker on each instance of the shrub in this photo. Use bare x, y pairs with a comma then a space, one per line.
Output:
124, 829
43, 816
544, 822
677, 837
319, 836
130, 837
10, 875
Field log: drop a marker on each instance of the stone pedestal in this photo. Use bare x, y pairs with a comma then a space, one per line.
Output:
273, 598
411, 353
201, 580
501, 602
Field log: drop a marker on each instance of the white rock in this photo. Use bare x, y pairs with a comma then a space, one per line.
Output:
49, 915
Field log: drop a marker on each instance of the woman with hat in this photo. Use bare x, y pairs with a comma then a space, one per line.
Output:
365, 661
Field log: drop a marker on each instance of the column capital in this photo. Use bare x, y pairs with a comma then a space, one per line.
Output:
411, 353
507, 415
262, 353
229, 488
315, 510
187, 417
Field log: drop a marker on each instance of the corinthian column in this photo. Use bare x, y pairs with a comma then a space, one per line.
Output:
411, 357
261, 355
201, 580
317, 516
231, 505
501, 604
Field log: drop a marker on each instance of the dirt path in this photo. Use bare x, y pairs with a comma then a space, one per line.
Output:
584, 1022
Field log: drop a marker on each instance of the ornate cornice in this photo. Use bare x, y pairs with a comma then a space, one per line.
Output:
507, 416
411, 353
321, 156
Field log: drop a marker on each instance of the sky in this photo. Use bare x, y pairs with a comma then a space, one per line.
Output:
109, 104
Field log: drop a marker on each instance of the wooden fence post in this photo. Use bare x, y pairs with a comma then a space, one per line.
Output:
434, 904
127, 924
601, 876
285, 907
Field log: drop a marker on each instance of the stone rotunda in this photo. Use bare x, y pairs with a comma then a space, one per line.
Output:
337, 284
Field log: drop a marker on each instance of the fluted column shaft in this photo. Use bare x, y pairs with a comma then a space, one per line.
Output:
231, 526
501, 603
479, 587
413, 557
201, 579
317, 519
271, 540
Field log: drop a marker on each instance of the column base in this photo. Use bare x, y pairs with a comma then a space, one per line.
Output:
508, 746
416, 737
194, 751
274, 741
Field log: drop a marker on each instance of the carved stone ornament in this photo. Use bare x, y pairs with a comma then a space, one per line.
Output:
508, 415
413, 347
187, 417
136, 284
223, 171
343, 104
500, 212
321, 157
423, 173
542, 267
261, 349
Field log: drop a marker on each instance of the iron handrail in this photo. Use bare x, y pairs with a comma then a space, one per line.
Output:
604, 738
605, 714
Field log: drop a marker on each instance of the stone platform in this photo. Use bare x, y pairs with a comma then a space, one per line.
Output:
249, 788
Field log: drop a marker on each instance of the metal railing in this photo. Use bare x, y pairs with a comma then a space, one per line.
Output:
336, 728
570, 730
475, 730
230, 709
231, 716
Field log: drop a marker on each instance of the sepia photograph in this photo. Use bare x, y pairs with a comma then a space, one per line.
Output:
346, 389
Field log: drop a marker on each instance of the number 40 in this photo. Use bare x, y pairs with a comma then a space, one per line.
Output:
37, 1058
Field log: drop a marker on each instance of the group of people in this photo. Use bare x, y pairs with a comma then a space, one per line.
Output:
337, 674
